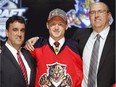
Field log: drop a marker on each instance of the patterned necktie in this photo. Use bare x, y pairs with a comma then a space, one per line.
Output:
93, 63
56, 47
23, 69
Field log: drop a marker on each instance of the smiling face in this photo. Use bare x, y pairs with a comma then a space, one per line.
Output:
15, 34
57, 27
99, 16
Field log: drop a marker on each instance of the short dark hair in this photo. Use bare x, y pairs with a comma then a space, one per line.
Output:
13, 19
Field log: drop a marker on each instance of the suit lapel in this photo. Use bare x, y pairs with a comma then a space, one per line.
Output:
12, 59
27, 58
83, 39
106, 48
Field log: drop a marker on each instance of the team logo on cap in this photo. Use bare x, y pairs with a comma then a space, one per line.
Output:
54, 13
57, 12
79, 17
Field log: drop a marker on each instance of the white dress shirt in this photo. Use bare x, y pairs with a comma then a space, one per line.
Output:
61, 41
88, 51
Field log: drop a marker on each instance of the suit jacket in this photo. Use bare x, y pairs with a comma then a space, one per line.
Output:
106, 70
10, 72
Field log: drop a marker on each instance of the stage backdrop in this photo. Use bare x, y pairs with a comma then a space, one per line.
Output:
36, 13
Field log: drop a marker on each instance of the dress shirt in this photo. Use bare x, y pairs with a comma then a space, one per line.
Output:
61, 41
14, 52
88, 51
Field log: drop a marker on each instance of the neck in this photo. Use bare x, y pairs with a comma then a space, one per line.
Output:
98, 30
17, 47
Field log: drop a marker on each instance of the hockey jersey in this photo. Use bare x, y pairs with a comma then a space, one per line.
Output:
62, 70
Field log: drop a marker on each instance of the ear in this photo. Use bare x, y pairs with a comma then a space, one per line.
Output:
66, 27
110, 18
109, 15
47, 25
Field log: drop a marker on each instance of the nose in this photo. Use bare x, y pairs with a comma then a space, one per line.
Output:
19, 33
96, 13
56, 26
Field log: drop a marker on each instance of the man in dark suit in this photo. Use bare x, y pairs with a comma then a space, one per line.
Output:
99, 18
16, 72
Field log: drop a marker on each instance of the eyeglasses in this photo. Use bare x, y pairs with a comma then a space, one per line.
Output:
98, 12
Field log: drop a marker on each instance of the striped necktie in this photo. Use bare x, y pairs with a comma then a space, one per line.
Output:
93, 63
22, 66
56, 47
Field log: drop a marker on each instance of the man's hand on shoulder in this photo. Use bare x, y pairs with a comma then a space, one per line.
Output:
29, 44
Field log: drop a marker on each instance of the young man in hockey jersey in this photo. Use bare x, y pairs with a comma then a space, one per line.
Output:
60, 67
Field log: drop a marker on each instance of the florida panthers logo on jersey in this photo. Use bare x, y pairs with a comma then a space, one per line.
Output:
56, 76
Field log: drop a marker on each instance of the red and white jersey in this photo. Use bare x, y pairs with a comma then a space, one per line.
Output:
62, 70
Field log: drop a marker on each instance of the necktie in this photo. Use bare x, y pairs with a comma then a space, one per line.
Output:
93, 63
56, 47
23, 69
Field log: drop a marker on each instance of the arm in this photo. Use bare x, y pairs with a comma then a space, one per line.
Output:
30, 42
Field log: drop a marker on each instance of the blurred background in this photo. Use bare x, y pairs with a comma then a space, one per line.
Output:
36, 13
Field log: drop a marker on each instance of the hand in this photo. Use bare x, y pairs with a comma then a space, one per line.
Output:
29, 43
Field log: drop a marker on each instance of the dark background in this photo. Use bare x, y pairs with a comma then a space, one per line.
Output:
38, 11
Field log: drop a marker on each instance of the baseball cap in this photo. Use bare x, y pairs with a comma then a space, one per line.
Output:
57, 12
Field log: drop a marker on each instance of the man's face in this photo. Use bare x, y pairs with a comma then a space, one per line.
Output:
16, 34
99, 16
57, 27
